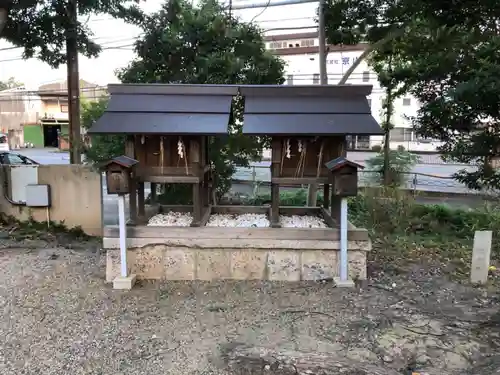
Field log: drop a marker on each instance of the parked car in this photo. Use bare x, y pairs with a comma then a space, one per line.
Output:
4, 142
13, 158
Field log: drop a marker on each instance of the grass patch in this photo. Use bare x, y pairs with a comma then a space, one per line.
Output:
14, 229
437, 237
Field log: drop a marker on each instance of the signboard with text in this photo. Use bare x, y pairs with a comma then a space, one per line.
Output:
341, 61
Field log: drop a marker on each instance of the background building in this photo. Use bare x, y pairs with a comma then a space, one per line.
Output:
301, 54
39, 118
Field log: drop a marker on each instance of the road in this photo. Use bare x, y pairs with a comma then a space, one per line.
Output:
416, 179
262, 173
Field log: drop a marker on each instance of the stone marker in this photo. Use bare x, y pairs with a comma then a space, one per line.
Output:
481, 257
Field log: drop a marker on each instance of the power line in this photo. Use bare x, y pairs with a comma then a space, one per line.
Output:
93, 40
288, 19
291, 28
273, 4
19, 58
261, 12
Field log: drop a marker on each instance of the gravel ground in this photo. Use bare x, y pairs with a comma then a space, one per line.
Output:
60, 318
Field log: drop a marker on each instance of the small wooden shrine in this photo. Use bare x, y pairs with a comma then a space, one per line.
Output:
167, 129
118, 174
308, 126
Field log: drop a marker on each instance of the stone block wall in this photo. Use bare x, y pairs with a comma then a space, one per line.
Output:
167, 262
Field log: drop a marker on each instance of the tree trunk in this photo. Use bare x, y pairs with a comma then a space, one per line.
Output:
387, 134
243, 360
4, 14
312, 189
387, 172
372, 47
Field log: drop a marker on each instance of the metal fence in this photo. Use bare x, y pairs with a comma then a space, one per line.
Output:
260, 176
424, 158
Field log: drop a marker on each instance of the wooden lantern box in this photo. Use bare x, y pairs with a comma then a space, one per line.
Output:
118, 174
343, 176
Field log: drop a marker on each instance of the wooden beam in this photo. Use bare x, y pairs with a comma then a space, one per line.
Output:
328, 218
130, 152
206, 216
299, 180
160, 179
316, 234
141, 201
326, 196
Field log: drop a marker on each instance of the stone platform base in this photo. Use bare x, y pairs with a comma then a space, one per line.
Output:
235, 253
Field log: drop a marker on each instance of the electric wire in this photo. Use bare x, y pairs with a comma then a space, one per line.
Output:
261, 12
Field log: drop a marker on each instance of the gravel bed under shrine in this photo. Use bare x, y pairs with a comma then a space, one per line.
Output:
240, 221
171, 219
302, 221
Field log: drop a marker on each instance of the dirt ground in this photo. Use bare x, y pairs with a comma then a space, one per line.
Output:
60, 318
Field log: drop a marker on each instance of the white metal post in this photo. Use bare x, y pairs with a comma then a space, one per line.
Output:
123, 235
343, 240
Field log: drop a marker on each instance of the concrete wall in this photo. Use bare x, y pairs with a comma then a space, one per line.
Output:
76, 194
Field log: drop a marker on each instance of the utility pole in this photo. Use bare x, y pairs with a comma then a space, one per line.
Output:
5, 6
312, 193
73, 84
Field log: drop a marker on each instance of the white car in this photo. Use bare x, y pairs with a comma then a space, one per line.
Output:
4, 142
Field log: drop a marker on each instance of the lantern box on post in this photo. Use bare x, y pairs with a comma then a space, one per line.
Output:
118, 171
344, 176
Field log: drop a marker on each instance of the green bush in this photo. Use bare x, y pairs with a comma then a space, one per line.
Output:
296, 198
401, 162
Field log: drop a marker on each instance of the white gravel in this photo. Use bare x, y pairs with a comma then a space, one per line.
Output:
299, 221
261, 221
171, 219
241, 221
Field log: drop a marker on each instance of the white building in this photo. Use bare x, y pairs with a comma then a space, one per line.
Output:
301, 54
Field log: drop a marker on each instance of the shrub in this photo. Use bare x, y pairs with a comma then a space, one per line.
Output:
401, 162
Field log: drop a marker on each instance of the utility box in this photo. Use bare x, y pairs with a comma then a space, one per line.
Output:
118, 173
344, 176
38, 195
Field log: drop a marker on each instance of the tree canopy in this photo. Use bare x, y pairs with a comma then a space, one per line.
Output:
444, 54
10, 84
203, 44
40, 26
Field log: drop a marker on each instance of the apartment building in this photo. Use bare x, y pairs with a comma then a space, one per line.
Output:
300, 51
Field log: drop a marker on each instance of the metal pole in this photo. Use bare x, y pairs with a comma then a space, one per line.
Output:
343, 240
322, 43
73, 85
123, 235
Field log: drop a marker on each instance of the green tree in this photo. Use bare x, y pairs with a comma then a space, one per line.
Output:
41, 27
10, 84
401, 162
455, 78
203, 44
446, 58
104, 147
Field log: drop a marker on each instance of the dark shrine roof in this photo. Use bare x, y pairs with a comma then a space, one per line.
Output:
341, 162
166, 109
123, 160
308, 110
